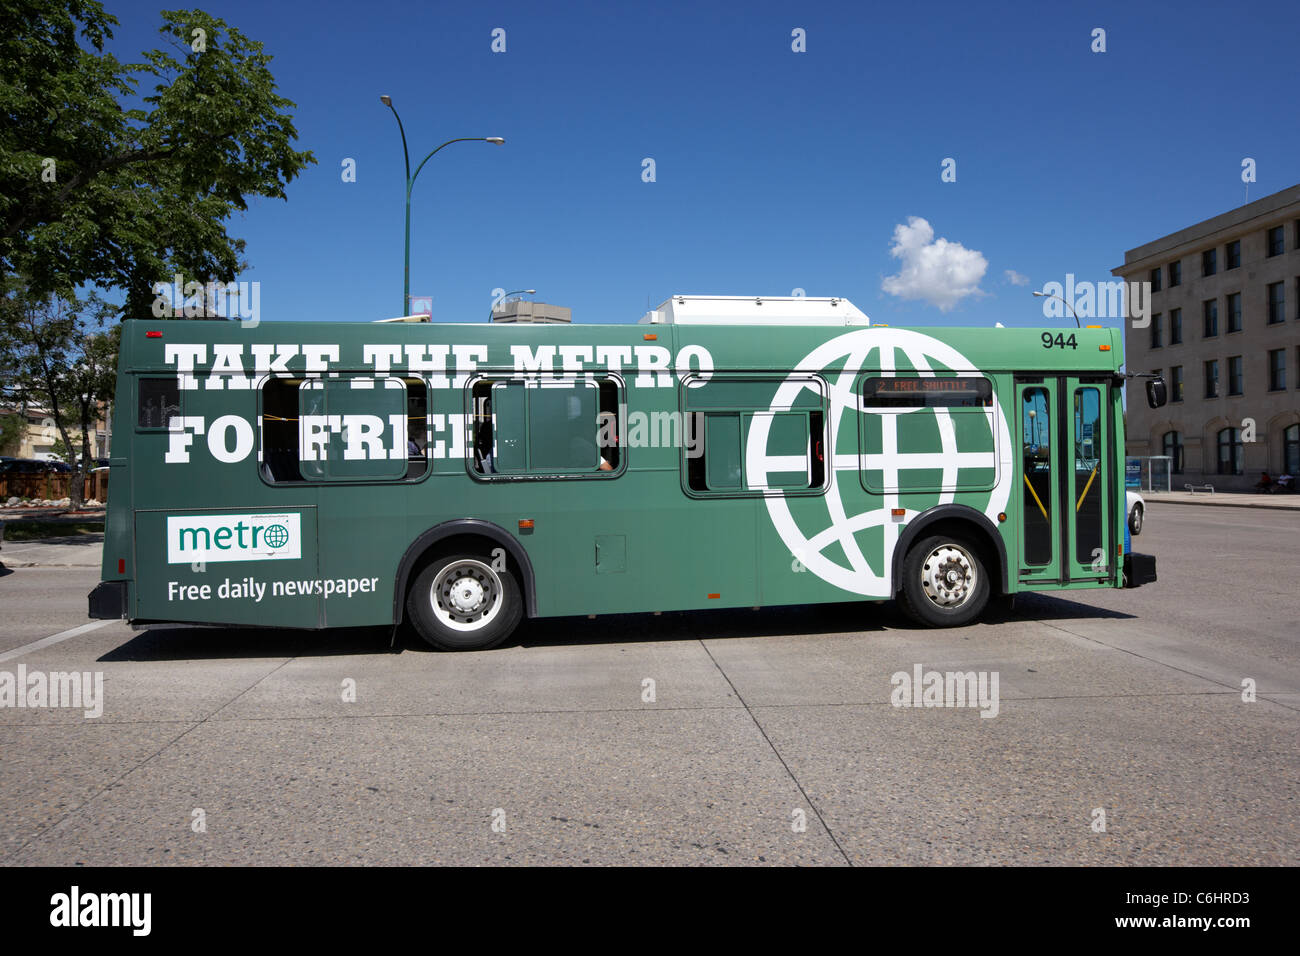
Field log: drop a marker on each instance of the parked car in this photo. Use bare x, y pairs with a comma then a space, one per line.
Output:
32, 466
1136, 510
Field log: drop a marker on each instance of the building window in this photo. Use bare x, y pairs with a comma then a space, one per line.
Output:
1172, 445
1291, 450
1175, 274
1276, 370
1234, 311
1176, 383
1276, 303
1229, 444
1175, 326
1209, 262
1212, 378
1232, 253
1210, 311
1234, 375
1275, 242
1157, 331
1155, 279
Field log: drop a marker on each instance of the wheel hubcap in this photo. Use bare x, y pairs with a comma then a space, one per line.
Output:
948, 576
466, 595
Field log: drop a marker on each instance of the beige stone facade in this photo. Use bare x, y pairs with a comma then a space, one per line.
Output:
522, 310
39, 435
1225, 291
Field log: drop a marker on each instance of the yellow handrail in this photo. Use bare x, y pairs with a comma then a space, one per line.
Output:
1036, 498
1079, 504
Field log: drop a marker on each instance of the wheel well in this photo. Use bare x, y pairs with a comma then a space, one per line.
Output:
463, 537
988, 544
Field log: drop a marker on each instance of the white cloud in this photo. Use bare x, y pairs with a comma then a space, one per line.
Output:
1015, 278
934, 270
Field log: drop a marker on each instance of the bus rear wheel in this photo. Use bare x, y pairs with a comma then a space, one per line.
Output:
945, 584
460, 603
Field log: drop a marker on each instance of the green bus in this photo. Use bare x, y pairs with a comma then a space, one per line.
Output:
463, 476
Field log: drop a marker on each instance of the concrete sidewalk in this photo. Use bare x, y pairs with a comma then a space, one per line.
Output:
1226, 499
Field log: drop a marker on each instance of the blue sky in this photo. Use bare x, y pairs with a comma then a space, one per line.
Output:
775, 170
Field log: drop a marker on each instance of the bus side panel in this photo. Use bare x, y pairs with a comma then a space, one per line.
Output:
230, 566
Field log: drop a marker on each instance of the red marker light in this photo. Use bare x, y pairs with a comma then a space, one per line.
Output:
121, 565
153, 335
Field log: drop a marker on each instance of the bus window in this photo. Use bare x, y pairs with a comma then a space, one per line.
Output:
1036, 445
351, 428
908, 416
793, 440
159, 399
565, 428
1088, 508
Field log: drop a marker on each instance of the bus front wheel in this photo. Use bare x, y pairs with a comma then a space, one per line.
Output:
945, 584
461, 603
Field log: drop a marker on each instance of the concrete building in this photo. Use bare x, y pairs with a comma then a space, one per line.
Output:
522, 310
1225, 333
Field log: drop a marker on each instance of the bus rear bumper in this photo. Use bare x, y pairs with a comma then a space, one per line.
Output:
108, 601
1139, 569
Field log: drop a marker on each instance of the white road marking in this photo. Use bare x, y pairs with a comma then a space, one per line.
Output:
52, 639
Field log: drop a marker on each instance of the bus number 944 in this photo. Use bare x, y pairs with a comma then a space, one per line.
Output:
1059, 341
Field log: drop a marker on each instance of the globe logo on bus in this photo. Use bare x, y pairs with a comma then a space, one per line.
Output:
276, 536
855, 551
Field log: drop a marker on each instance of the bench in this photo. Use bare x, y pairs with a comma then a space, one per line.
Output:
1192, 488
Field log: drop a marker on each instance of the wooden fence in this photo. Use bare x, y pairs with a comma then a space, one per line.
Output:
53, 486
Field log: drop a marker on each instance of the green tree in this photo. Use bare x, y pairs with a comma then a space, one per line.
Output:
55, 353
11, 430
104, 183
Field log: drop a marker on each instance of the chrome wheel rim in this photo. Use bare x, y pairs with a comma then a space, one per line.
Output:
949, 576
466, 595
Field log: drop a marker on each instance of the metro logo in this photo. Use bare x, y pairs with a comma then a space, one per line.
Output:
242, 537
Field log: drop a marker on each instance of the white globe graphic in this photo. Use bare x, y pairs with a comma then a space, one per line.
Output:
839, 361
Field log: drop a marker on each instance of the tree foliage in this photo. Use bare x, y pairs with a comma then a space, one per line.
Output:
56, 355
121, 175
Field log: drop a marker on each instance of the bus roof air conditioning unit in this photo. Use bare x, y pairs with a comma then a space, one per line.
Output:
755, 310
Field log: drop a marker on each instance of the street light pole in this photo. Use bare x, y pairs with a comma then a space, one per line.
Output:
410, 184
1049, 295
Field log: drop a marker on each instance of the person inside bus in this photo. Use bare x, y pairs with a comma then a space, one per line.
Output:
607, 440
483, 439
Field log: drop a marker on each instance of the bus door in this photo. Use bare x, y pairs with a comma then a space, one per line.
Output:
1064, 492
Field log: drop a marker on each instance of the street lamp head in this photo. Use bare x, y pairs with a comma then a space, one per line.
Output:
386, 100
499, 140
1040, 294
528, 291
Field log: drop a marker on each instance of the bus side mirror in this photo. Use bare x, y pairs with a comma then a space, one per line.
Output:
1157, 393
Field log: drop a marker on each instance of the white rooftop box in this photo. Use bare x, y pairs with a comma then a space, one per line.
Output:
755, 310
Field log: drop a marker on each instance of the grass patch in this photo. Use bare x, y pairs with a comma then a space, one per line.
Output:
23, 530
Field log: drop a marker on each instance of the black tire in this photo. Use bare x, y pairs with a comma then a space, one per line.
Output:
1135, 520
490, 611
960, 557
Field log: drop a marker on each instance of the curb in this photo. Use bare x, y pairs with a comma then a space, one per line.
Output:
1209, 502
